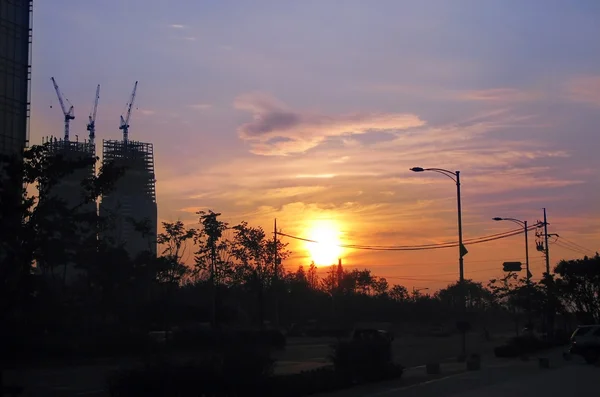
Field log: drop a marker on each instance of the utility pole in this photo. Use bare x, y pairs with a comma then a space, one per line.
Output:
547, 252
461, 248
276, 274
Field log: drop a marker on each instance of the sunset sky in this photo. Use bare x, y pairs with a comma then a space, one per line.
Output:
313, 111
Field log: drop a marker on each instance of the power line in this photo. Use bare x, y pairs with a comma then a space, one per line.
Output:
478, 240
575, 245
567, 247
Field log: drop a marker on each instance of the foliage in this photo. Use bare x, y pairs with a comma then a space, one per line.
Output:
213, 258
240, 370
363, 359
246, 370
579, 285
399, 293
190, 338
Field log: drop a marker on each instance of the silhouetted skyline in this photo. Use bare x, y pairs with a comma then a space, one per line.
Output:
302, 111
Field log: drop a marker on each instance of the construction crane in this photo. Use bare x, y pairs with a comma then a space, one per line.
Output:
125, 121
91, 127
69, 114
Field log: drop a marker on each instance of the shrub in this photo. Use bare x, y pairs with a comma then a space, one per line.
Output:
202, 338
520, 345
240, 370
246, 370
363, 360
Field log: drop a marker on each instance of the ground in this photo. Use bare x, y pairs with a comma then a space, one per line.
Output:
497, 378
412, 352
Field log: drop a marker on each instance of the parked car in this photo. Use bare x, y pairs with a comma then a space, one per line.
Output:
585, 342
372, 334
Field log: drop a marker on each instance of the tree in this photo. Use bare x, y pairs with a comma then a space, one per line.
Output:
34, 219
380, 286
259, 258
214, 255
578, 284
399, 293
171, 270
474, 294
312, 277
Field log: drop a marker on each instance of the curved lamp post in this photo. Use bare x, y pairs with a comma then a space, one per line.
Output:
455, 176
523, 224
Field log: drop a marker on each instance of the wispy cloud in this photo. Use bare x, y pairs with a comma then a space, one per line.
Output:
498, 95
177, 26
201, 106
584, 89
146, 112
279, 130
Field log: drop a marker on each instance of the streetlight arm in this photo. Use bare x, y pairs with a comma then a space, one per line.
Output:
450, 174
517, 221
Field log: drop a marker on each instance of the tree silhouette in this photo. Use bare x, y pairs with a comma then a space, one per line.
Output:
578, 284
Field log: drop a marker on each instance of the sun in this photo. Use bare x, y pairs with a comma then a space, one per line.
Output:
327, 251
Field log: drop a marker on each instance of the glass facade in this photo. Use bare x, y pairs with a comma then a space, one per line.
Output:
15, 74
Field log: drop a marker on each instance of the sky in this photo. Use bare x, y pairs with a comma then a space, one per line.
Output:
313, 111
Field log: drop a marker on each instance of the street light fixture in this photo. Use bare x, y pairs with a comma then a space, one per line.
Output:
455, 176
523, 224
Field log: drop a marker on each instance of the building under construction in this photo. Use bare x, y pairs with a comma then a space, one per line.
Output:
130, 209
15, 74
78, 160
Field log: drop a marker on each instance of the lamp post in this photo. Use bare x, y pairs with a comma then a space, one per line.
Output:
455, 176
523, 224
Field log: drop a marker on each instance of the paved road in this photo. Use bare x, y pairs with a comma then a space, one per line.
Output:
408, 350
498, 377
90, 380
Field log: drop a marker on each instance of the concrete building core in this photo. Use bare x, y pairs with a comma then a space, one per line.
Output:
15, 74
132, 201
70, 190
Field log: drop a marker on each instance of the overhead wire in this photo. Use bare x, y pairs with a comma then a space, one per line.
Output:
575, 245
567, 247
471, 241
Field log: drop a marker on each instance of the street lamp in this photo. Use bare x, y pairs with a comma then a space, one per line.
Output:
523, 224
455, 176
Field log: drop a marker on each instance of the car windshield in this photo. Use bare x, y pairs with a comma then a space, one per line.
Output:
581, 331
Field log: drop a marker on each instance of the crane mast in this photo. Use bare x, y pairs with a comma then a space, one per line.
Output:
125, 121
91, 127
68, 113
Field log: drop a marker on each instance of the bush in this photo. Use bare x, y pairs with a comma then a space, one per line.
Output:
246, 370
240, 370
203, 338
525, 344
363, 360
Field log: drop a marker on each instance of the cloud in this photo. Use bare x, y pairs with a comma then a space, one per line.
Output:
177, 26
278, 130
146, 112
498, 95
201, 106
584, 89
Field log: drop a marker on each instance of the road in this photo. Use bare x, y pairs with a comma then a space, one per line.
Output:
90, 380
408, 350
497, 377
